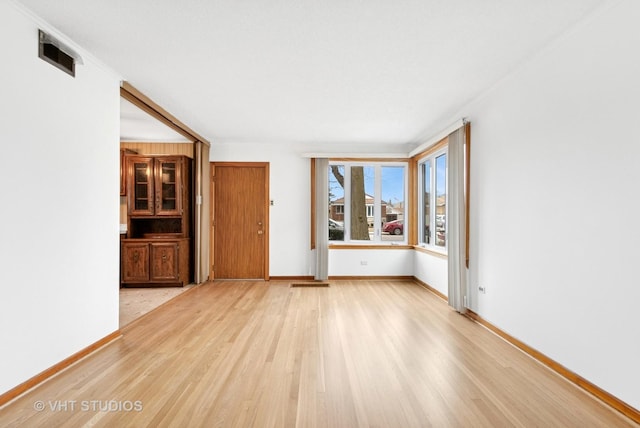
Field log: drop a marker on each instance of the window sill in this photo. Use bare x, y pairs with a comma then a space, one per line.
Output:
369, 247
425, 250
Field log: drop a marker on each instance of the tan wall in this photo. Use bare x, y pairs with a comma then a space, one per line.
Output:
159, 148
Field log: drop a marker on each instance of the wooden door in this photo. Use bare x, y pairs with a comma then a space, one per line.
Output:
240, 214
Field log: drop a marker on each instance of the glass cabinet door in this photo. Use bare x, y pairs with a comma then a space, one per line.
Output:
168, 187
140, 191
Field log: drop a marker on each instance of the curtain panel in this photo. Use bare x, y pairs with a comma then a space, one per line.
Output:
322, 219
456, 218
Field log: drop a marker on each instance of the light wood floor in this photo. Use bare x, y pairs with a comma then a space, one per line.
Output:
355, 354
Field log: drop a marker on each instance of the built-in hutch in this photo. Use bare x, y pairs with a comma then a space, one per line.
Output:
157, 246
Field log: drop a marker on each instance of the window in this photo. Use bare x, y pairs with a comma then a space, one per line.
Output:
367, 202
369, 210
433, 200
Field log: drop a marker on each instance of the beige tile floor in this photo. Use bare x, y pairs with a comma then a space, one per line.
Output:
135, 302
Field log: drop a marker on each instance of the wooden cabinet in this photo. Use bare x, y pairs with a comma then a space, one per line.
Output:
156, 186
123, 170
157, 248
135, 261
123, 189
155, 261
163, 260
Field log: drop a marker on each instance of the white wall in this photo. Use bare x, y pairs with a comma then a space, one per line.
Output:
371, 262
555, 202
432, 270
59, 248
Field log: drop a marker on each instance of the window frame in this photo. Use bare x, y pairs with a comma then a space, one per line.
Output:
431, 158
377, 165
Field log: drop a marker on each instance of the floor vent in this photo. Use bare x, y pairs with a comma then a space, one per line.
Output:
310, 284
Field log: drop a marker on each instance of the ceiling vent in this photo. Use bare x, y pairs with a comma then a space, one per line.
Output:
57, 54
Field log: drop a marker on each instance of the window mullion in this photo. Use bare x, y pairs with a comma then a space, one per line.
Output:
433, 201
377, 204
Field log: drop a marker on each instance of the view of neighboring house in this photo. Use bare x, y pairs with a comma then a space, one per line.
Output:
336, 210
388, 211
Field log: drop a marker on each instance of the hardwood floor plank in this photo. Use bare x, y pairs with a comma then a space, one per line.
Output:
380, 353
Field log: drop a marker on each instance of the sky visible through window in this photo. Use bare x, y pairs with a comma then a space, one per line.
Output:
393, 184
335, 189
441, 171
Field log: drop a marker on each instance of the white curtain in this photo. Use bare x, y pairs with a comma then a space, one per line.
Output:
456, 228
322, 219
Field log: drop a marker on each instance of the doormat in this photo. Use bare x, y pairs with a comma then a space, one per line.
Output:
310, 284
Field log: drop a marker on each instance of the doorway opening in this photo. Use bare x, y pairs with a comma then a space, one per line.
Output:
146, 131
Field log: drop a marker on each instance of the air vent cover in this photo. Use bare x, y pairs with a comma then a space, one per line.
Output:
54, 53
310, 284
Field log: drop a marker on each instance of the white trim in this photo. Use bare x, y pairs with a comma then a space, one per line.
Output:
334, 155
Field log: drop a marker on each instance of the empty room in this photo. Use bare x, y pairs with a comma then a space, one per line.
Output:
302, 213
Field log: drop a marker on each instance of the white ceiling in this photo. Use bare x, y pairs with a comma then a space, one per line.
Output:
137, 125
376, 74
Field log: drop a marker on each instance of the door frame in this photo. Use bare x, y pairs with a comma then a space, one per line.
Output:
212, 169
